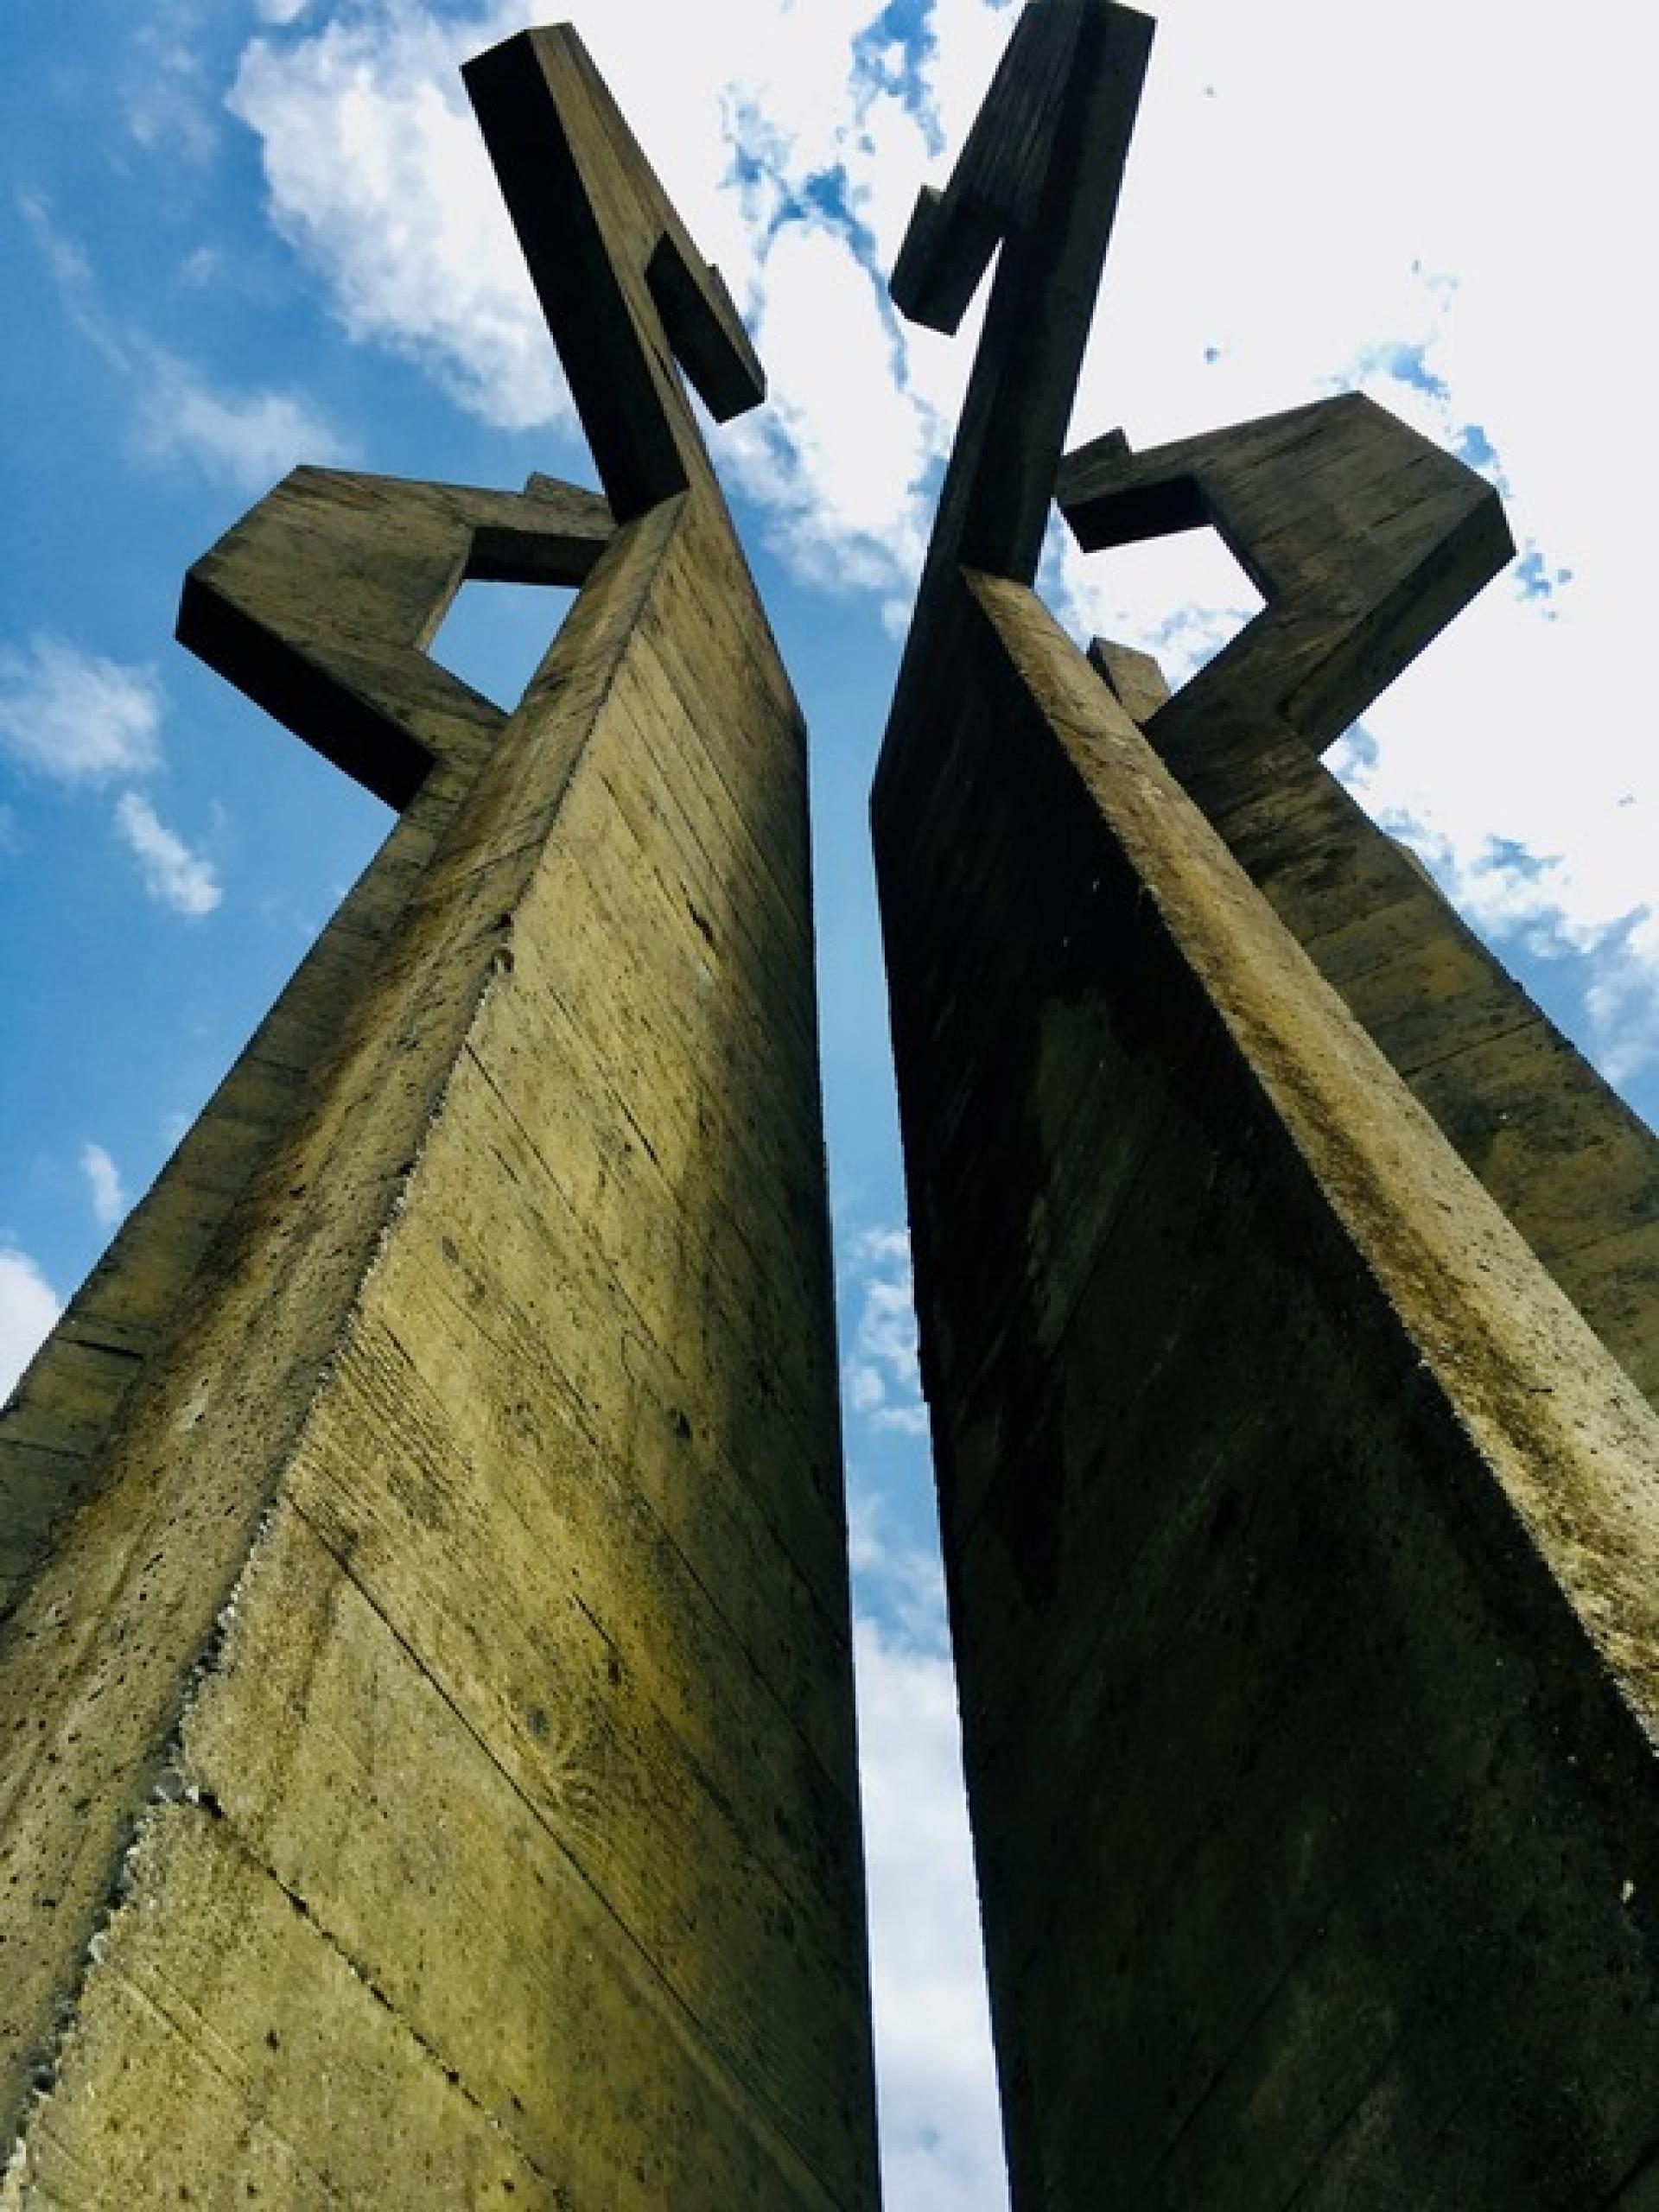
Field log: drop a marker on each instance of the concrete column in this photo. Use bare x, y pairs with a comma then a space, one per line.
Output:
1302, 1540
427, 1769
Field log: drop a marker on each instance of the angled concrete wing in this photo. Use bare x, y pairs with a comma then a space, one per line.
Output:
423, 1548
1039, 176
1300, 1533
1364, 539
996, 190
319, 605
619, 280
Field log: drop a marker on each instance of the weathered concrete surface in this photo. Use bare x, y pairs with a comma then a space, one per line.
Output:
317, 604
1365, 540
53, 1430
1037, 185
1302, 1540
461, 1614
321, 602
426, 1752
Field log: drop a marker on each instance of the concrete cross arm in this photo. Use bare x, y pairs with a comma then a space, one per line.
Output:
1043, 90
320, 603
1364, 537
1039, 176
624, 290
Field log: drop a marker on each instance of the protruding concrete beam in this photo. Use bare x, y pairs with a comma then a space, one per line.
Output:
320, 603
1039, 176
1135, 678
996, 190
1364, 539
621, 283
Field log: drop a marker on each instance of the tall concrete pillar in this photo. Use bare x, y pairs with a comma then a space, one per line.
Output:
1301, 1526
427, 1769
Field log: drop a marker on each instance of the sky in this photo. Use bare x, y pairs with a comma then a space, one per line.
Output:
239, 234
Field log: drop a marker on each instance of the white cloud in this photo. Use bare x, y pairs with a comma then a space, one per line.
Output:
378, 175
881, 1379
942, 2147
841, 453
898, 1581
1180, 598
1537, 869
28, 1307
280, 11
173, 874
245, 439
109, 1201
75, 716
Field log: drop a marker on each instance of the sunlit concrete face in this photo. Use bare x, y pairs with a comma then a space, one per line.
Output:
429, 1616
1285, 1285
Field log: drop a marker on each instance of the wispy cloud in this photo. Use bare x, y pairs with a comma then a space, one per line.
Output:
109, 1201
898, 1573
242, 438
883, 1383
1624, 999
165, 99
172, 873
942, 2147
1180, 598
377, 177
246, 440
941, 2140
795, 173
1583, 897
28, 1307
81, 721
75, 716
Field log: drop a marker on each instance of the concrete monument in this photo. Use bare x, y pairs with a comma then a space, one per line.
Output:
426, 1749
1287, 1293
427, 1774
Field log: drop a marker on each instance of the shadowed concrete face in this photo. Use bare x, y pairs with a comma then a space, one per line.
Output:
1365, 540
320, 603
1037, 184
1302, 1538
429, 1616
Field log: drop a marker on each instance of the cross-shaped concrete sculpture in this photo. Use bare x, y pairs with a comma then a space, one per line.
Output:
423, 1547
320, 603
1300, 1532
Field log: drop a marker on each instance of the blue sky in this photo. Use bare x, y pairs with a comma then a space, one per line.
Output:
242, 234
